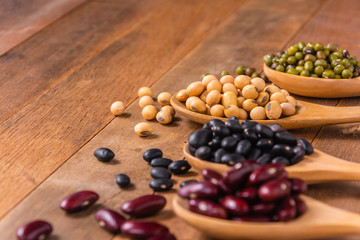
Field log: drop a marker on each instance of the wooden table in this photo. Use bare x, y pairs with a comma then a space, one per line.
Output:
63, 62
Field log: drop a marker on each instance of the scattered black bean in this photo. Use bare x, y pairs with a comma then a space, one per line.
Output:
151, 154
179, 167
160, 162
160, 185
159, 172
122, 180
104, 154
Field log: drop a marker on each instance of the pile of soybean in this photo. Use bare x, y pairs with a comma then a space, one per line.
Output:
315, 60
232, 142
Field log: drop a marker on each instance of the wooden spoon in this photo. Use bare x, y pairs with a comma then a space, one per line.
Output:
315, 168
319, 221
307, 115
314, 87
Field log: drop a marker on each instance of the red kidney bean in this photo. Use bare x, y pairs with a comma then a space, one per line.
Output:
210, 175
109, 219
236, 178
223, 187
282, 175
252, 219
143, 229
287, 209
199, 190
144, 206
248, 194
78, 201
163, 236
300, 205
34, 230
298, 186
274, 190
208, 208
263, 208
234, 205
266, 173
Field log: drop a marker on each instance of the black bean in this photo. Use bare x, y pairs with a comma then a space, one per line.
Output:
237, 136
299, 154
264, 131
104, 154
159, 172
285, 138
275, 127
281, 159
231, 158
264, 144
203, 152
282, 150
160, 162
243, 147
122, 180
207, 126
234, 126
151, 154
250, 133
234, 118
305, 145
186, 182
265, 159
200, 138
229, 143
192, 150
179, 167
254, 154
215, 122
162, 184
248, 124
221, 131
215, 143
218, 155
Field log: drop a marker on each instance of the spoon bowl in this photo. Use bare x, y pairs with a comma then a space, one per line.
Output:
314, 87
315, 168
307, 115
319, 221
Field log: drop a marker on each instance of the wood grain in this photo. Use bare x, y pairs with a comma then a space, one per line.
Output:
257, 20
20, 20
46, 59
45, 133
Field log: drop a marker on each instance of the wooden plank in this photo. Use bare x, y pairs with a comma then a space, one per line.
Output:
48, 131
257, 20
54, 53
20, 20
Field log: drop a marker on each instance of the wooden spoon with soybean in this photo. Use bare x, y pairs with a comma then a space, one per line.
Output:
307, 115
314, 87
315, 168
319, 221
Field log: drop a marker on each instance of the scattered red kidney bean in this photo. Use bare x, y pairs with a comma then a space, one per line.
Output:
208, 208
199, 190
287, 209
163, 236
144, 206
34, 230
266, 173
274, 190
109, 219
137, 229
78, 201
298, 186
269, 196
234, 205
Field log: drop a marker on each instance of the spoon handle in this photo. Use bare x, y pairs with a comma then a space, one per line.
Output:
315, 114
321, 167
